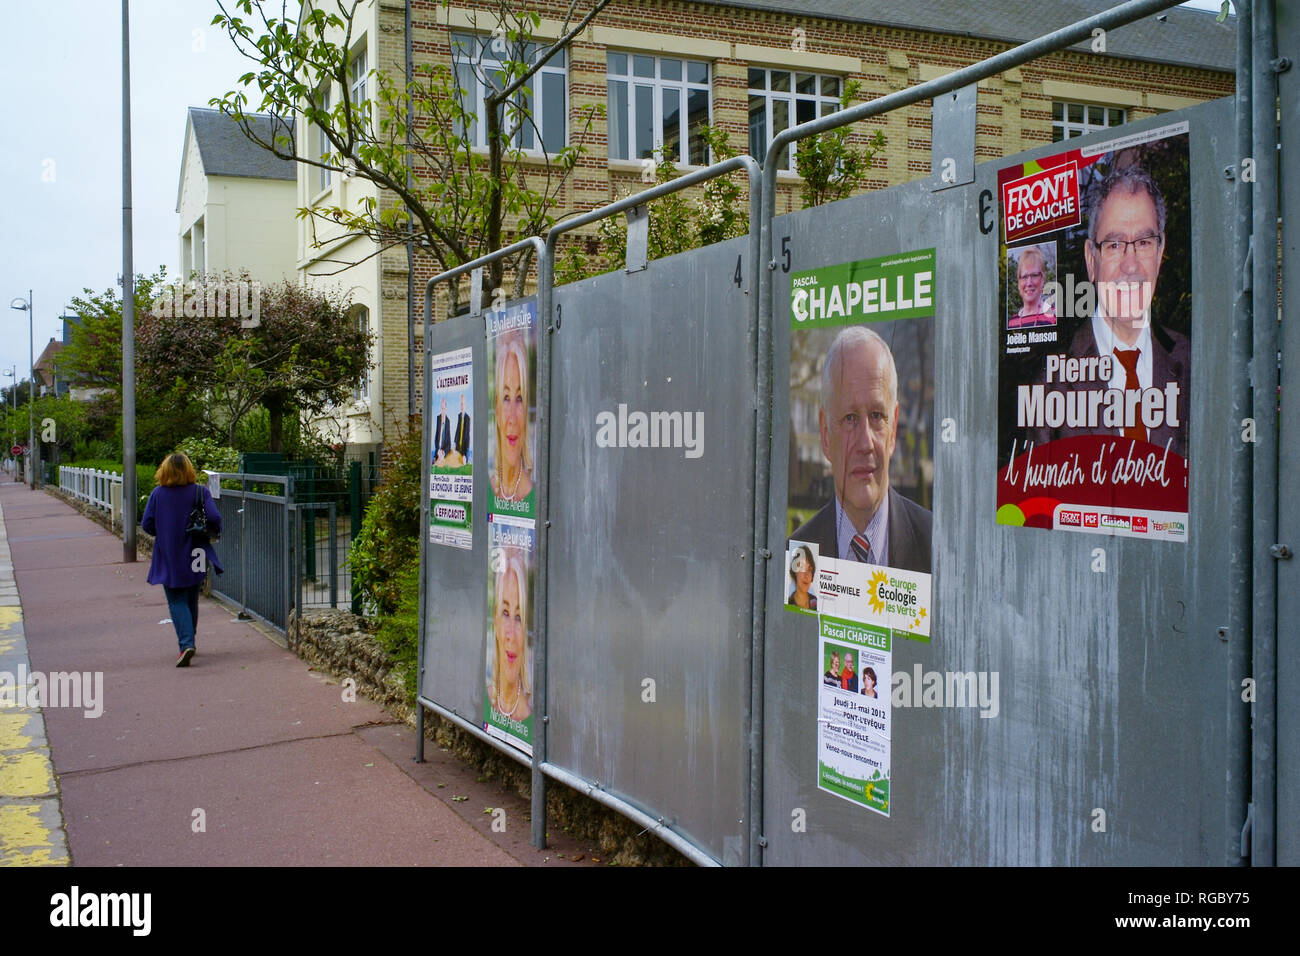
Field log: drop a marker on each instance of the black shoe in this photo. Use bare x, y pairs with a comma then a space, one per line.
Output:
184, 659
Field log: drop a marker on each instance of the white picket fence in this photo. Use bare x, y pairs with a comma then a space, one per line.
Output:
92, 486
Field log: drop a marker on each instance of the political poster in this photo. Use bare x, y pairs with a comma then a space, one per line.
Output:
451, 456
1094, 339
861, 440
853, 726
512, 398
508, 696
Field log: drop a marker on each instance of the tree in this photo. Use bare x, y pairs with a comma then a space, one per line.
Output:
832, 169
458, 203
93, 359
306, 352
676, 224
60, 424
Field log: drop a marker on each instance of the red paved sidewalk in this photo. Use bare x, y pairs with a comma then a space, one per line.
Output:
284, 771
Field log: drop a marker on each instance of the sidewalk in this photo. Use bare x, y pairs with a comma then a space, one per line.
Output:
245, 758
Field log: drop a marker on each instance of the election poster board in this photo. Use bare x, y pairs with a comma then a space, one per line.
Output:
1094, 339
451, 464
858, 555
508, 695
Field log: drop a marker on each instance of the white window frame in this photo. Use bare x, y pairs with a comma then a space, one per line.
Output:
358, 75
658, 84
490, 62
823, 104
325, 176
1065, 128
362, 393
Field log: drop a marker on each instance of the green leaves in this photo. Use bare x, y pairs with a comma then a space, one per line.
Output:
830, 167
463, 200
676, 223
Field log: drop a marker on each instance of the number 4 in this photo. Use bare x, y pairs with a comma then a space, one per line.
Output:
736, 277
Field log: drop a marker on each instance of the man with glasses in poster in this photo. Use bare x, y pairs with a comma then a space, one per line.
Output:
1123, 254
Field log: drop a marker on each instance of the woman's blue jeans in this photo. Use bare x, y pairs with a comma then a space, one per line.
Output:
184, 605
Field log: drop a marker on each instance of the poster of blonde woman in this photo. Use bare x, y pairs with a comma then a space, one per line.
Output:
512, 386
508, 697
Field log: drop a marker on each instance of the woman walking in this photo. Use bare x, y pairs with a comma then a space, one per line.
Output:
180, 561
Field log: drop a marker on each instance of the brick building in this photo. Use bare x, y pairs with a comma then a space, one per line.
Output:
750, 67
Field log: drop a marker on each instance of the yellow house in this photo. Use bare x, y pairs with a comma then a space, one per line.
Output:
660, 68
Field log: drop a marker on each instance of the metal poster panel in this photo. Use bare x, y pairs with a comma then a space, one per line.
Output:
862, 411
1071, 705
650, 542
451, 465
456, 556
1095, 349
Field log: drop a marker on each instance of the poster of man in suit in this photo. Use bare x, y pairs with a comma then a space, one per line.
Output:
861, 439
1094, 414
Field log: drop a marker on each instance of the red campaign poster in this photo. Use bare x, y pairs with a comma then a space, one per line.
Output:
1094, 339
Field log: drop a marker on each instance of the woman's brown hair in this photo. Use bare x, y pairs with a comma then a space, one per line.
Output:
176, 469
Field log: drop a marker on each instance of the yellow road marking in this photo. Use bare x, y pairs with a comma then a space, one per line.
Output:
25, 774
12, 731
25, 840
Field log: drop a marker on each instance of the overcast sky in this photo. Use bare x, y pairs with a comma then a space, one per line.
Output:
61, 225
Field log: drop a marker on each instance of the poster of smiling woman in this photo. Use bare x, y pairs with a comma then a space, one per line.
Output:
512, 386
508, 698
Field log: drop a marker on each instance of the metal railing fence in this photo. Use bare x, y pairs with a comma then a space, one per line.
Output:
257, 546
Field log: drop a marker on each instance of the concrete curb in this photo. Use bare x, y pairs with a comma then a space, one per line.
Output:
31, 810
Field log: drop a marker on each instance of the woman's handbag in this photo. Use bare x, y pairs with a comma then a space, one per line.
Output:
197, 524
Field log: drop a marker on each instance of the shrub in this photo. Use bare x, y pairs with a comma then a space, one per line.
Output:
389, 542
399, 632
207, 455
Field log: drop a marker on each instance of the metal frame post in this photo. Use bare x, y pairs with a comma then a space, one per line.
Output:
1265, 379
426, 440
289, 549
1239, 550
297, 576
334, 553
243, 548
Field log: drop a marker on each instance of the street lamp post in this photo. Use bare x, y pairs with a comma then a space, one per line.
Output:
12, 372
32, 451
